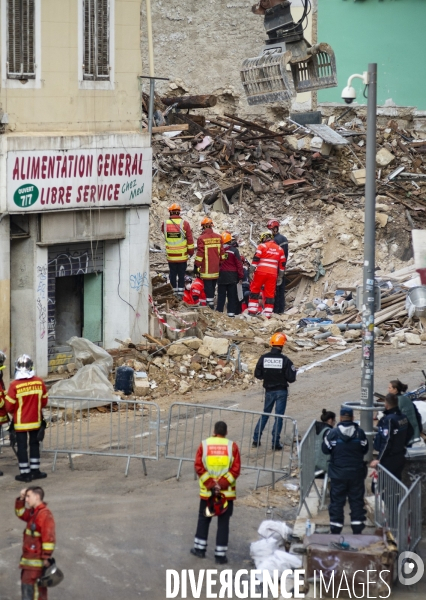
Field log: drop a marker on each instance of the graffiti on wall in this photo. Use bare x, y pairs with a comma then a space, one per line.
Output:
138, 281
41, 300
69, 263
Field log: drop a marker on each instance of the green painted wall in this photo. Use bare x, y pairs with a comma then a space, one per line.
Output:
389, 32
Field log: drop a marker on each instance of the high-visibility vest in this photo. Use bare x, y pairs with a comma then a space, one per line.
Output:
176, 238
217, 460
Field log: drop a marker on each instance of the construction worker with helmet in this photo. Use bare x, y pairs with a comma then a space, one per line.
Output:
208, 258
179, 247
38, 568
25, 399
274, 226
277, 371
4, 418
230, 274
218, 465
267, 268
194, 294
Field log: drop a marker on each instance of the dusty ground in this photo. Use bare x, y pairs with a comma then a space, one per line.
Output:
117, 536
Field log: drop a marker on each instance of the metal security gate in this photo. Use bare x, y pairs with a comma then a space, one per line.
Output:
74, 277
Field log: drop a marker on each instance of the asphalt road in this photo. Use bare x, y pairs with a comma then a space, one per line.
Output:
117, 536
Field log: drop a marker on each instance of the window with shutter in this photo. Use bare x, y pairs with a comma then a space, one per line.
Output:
96, 40
21, 39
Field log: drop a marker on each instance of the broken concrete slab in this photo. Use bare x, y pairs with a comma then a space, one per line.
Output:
384, 157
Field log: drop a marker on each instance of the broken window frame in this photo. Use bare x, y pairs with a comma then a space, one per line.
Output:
21, 39
96, 40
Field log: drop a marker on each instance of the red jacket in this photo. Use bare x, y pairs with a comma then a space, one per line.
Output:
231, 268
196, 294
223, 482
269, 258
209, 254
39, 535
24, 401
3, 412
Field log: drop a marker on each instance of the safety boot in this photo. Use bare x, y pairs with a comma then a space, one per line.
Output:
25, 477
198, 553
37, 474
220, 560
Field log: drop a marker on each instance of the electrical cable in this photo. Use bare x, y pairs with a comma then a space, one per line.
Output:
119, 279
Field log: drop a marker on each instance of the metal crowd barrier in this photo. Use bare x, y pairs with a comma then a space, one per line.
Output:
410, 518
189, 424
118, 428
307, 467
389, 492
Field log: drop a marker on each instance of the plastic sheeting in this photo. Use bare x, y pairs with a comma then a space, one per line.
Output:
268, 554
91, 380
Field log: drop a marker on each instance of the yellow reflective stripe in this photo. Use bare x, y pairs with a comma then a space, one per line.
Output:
229, 477
45, 396
48, 546
11, 400
36, 594
198, 258
204, 477
32, 533
4, 419
19, 511
191, 246
27, 562
27, 426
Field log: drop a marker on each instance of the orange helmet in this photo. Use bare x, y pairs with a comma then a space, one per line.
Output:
278, 339
206, 222
226, 237
174, 208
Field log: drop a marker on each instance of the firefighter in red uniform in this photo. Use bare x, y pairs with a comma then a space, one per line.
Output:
39, 541
268, 267
194, 294
4, 419
26, 397
179, 247
231, 273
208, 258
218, 465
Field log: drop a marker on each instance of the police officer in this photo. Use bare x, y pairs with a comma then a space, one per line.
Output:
274, 226
394, 433
218, 465
277, 371
347, 444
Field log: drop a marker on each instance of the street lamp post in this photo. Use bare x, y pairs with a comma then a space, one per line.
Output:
368, 300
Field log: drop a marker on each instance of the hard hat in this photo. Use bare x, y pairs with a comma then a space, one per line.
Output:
2, 360
206, 222
278, 339
272, 223
174, 208
266, 235
24, 365
51, 575
226, 237
216, 505
188, 279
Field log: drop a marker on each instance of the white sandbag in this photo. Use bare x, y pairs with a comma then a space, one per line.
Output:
262, 549
421, 407
276, 529
279, 561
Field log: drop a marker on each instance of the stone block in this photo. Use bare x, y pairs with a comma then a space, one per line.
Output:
384, 157
216, 345
177, 350
413, 338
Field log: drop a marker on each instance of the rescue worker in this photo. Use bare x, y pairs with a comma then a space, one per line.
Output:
277, 371
407, 407
26, 397
179, 247
218, 466
327, 421
274, 226
268, 267
194, 294
39, 541
347, 444
208, 258
230, 274
4, 419
394, 432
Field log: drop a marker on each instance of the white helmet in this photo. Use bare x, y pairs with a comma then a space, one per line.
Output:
3, 358
51, 575
24, 366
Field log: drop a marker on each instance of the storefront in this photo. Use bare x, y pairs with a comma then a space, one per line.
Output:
79, 241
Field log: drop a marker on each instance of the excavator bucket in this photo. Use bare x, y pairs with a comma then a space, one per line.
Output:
278, 75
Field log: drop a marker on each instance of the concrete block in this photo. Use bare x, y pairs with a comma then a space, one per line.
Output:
358, 176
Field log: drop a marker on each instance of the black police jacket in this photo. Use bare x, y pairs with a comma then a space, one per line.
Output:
276, 370
282, 241
347, 444
394, 431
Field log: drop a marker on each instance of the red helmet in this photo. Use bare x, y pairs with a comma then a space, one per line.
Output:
272, 223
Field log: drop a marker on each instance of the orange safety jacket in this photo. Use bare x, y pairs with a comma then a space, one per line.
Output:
39, 535
196, 294
269, 258
209, 254
218, 460
179, 240
24, 401
3, 412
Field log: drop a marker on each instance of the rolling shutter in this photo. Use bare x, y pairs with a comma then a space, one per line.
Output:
96, 39
21, 39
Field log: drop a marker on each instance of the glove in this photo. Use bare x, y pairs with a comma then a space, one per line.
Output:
41, 431
279, 281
